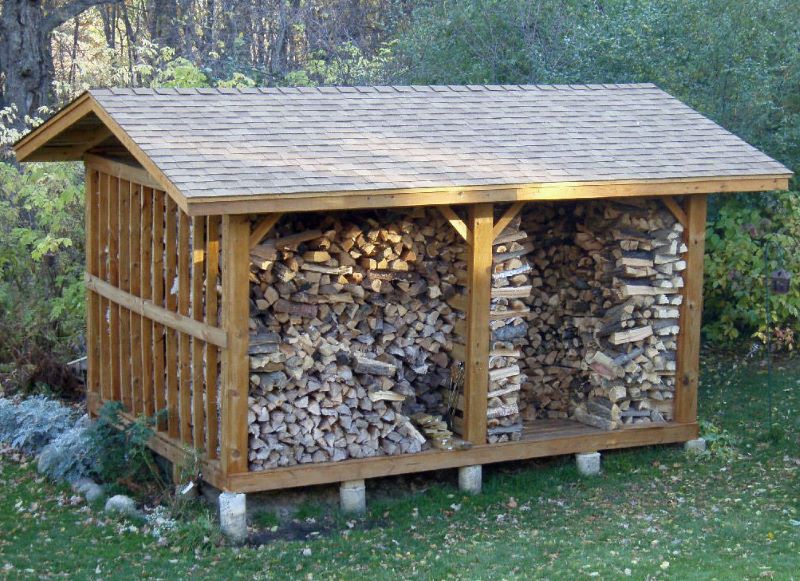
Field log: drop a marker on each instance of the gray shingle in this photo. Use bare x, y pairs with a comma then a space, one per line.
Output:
227, 142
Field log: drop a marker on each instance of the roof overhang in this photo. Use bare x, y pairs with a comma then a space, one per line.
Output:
70, 134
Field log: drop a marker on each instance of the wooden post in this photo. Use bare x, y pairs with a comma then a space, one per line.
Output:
476, 366
184, 351
688, 356
212, 353
235, 316
92, 299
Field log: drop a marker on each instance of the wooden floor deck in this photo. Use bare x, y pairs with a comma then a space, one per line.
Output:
540, 439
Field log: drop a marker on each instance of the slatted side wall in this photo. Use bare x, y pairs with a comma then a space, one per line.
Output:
153, 337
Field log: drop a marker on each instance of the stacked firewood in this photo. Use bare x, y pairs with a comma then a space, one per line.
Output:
561, 304
508, 320
606, 293
631, 361
350, 335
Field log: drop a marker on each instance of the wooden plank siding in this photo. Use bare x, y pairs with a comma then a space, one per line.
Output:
152, 305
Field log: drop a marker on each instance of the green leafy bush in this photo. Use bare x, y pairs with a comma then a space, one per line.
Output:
123, 456
735, 284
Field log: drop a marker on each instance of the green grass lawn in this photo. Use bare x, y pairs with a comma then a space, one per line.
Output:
654, 513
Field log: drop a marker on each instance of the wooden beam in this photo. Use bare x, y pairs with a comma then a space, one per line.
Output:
212, 354
457, 223
171, 302
72, 113
113, 279
235, 364
198, 365
135, 278
688, 355
102, 274
511, 213
93, 396
676, 209
158, 299
377, 466
264, 226
169, 319
184, 352
476, 368
124, 284
348, 200
146, 286
121, 170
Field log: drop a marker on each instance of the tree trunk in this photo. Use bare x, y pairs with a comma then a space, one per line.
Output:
26, 61
26, 64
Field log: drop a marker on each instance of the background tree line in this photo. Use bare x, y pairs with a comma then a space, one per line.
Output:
736, 62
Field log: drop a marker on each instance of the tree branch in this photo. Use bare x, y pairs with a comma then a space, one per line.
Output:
70, 10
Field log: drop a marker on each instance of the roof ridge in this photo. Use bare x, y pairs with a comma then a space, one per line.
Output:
364, 89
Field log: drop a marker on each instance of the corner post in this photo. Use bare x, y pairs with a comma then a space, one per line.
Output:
93, 398
476, 366
688, 363
235, 315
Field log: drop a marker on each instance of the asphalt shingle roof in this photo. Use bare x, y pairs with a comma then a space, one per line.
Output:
234, 142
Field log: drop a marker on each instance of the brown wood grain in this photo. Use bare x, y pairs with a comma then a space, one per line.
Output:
235, 364
146, 286
171, 301
113, 279
159, 337
687, 376
198, 366
135, 282
476, 368
184, 350
212, 319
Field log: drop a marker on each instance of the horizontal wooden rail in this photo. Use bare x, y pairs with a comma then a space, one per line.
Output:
145, 308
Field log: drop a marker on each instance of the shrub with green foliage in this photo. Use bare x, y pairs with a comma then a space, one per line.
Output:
735, 283
122, 453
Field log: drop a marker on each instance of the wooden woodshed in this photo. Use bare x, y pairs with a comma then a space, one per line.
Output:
320, 284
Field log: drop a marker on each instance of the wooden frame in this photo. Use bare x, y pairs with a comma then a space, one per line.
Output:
156, 258
169, 292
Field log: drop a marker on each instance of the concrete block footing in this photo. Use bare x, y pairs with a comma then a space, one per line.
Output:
353, 497
588, 463
695, 446
233, 516
470, 479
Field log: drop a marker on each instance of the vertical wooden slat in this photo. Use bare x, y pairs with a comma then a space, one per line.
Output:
102, 271
146, 285
159, 380
184, 260
113, 278
135, 286
688, 355
476, 367
124, 267
93, 397
198, 274
171, 363
212, 354
235, 313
